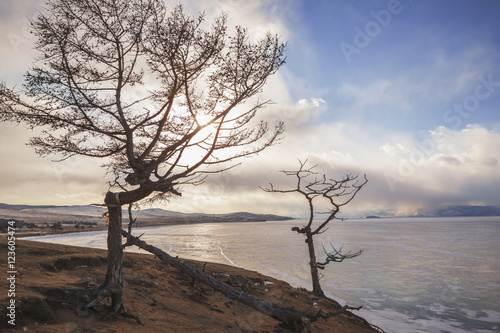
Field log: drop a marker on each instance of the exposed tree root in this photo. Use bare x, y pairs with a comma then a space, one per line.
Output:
128, 315
115, 309
101, 294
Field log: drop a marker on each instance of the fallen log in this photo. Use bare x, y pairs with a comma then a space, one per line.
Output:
295, 319
290, 316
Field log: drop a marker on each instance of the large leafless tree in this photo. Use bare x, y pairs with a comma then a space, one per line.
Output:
159, 95
336, 193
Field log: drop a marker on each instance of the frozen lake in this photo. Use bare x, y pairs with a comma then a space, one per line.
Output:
415, 274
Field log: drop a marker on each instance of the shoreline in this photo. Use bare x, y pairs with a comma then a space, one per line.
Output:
40, 228
164, 298
44, 232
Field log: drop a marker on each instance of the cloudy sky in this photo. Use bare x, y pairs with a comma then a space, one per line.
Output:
406, 92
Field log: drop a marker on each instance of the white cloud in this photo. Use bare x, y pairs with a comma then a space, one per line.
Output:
393, 149
443, 166
27, 178
15, 37
448, 163
294, 114
312, 102
462, 168
259, 16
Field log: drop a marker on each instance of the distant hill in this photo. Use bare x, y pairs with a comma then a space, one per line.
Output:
444, 211
20, 207
148, 214
461, 210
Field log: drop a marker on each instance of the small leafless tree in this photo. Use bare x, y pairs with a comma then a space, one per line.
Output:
337, 193
155, 94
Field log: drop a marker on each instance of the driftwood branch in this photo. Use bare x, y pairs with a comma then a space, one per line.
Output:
326, 315
286, 315
290, 316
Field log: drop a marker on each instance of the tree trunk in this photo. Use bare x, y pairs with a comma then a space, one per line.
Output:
113, 284
314, 266
114, 274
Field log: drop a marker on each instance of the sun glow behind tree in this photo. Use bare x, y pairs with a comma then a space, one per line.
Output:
158, 97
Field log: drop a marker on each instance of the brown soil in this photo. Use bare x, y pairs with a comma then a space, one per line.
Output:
52, 281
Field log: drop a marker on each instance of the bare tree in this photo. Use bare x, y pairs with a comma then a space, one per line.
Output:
337, 193
155, 94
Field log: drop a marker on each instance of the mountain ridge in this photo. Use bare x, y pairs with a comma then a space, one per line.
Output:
460, 210
443, 211
167, 215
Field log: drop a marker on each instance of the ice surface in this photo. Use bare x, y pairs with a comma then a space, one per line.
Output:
415, 275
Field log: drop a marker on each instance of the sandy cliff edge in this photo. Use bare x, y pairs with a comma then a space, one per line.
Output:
163, 298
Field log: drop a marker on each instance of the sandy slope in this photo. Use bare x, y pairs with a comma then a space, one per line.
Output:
163, 298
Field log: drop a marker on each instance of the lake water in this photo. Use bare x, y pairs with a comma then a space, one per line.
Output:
415, 274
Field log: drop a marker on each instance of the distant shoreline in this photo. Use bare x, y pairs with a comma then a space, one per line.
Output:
52, 220
38, 232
